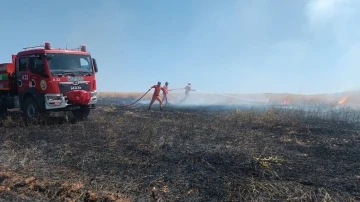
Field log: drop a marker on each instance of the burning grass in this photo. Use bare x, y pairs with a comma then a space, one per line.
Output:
184, 155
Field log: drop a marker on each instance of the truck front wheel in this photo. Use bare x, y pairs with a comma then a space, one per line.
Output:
3, 107
81, 113
31, 110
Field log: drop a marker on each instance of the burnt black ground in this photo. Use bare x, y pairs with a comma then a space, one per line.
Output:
184, 154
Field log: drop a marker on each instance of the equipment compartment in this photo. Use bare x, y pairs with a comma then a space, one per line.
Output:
6, 69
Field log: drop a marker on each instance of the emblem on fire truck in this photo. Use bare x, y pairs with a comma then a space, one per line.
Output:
43, 85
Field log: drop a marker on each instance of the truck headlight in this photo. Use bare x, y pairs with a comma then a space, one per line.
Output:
93, 93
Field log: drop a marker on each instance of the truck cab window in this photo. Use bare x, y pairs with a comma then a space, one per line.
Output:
22, 64
36, 65
84, 63
61, 63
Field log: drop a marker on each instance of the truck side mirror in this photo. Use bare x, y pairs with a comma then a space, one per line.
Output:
95, 65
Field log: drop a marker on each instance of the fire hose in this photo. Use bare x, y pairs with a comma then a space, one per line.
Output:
128, 105
211, 93
180, 89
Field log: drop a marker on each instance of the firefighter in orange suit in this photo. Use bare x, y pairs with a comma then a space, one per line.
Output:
156, 94
165, 93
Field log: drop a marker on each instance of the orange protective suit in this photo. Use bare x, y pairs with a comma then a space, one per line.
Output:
165, 92
156, 95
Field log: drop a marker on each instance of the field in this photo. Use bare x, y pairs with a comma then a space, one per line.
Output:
185, 153
206, 98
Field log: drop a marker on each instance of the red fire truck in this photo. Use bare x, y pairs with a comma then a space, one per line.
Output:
48, 81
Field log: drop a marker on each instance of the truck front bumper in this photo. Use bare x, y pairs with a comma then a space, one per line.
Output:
62, 112
59, 101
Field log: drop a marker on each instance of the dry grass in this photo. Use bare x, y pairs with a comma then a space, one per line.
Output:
134, 95
184, 155
293, 99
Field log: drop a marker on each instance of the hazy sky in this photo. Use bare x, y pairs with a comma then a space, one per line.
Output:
234, 46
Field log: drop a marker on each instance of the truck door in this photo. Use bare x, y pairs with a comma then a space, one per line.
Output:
36, 72
22, 76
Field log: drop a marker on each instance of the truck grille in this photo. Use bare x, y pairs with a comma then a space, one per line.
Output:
69, 86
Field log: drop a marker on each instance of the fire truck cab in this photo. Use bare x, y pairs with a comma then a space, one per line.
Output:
49, 81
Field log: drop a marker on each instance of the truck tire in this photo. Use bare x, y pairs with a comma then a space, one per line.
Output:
81, 113
31, 110
3, 107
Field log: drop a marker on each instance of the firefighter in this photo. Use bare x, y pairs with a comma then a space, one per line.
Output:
156, 94
187, 90
165, 92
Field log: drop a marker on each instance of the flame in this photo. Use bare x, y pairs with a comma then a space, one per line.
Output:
342, 101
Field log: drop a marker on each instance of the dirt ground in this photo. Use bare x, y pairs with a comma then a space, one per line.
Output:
182, 154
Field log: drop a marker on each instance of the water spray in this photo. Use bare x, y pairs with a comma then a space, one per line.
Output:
221, 94
243, 99
177, 89
218, 94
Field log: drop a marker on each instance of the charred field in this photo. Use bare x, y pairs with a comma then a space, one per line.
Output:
184, 154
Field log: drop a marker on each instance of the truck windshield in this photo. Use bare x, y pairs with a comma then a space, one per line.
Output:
61, 63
